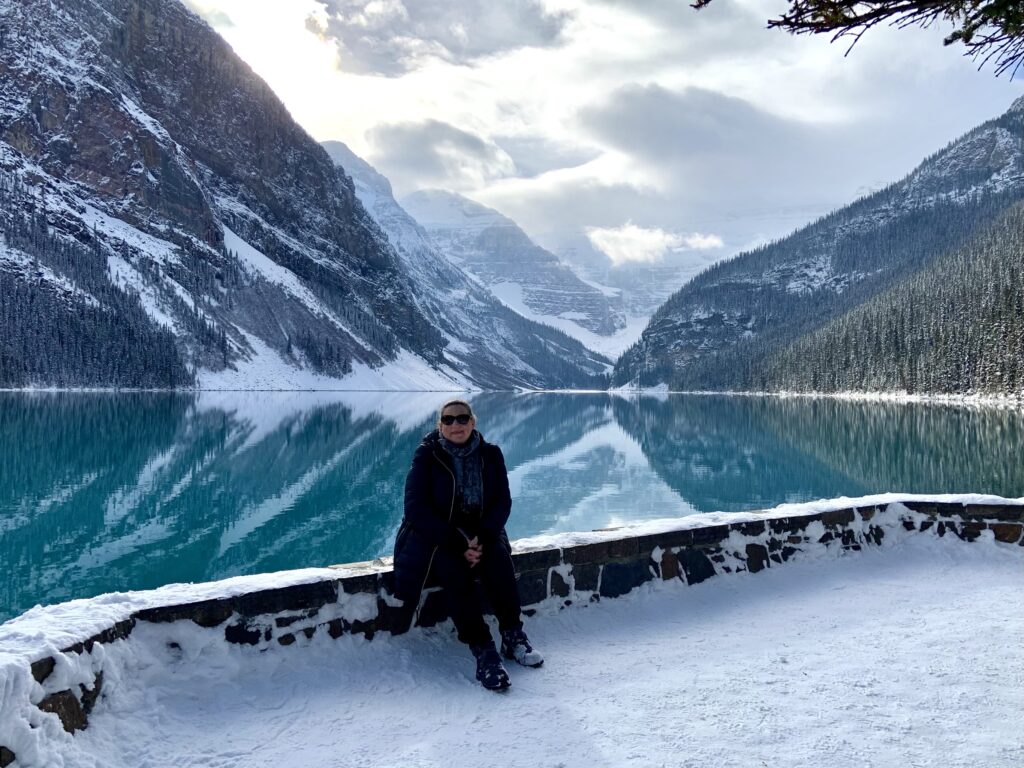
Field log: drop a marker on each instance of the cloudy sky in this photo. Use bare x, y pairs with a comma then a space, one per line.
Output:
639, 128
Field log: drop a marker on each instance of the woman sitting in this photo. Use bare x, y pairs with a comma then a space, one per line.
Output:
457, 502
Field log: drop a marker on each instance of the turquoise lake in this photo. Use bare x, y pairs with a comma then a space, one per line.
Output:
103, 492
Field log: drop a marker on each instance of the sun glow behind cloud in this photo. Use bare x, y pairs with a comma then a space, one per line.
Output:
630, 243
582, 116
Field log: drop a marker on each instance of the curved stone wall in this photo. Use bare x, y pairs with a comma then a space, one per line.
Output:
582, 568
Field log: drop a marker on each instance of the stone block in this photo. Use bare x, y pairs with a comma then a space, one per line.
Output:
1008, 533
205, 613
619, 578
309, 632
91, 695
241, 633
586, 553
849, 538
533, 586
696, 565
43, 668
971, 530
670, 566
948, 509
538, 559
788, 552
926, 525
924, 507
791, 525
866, 513
119, 631
666, 540
837, 518
286, 639
393, 618
6, 757
586, 575
335, 628
753, 528
623, 548
365, 628
361, 584
314, 595
710, 534
559, 587
757, 557
68, 708
1003, 512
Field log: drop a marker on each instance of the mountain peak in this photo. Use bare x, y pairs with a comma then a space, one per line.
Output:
442, 209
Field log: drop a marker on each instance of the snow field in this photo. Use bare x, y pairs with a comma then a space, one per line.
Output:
897, 656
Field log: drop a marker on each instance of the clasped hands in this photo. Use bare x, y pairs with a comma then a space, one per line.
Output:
475, 551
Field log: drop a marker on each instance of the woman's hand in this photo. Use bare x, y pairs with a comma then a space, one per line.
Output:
475, 551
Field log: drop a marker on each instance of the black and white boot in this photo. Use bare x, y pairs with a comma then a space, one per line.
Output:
515, 646
489, 670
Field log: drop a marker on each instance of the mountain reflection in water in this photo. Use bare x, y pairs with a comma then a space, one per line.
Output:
107, 492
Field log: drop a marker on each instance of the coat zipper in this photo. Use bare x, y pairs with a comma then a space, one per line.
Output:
433, 552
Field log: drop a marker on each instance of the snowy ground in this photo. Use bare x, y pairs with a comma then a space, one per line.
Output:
902, 656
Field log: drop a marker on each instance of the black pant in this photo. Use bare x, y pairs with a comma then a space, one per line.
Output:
497, 574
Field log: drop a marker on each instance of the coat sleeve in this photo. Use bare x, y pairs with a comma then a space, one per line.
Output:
419, 511
496, 515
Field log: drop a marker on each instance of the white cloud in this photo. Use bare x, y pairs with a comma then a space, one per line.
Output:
699, 242
630, 243
573, 116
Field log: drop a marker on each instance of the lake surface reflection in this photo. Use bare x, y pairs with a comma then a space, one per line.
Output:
108, 492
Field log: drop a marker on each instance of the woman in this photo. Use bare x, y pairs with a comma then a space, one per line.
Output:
456, 504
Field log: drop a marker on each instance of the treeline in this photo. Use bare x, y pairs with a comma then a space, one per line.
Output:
754, 316
56, 336
956, 326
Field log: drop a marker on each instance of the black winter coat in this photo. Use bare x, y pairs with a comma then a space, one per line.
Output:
429, 508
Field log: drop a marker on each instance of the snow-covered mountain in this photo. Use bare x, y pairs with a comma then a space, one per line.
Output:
483, 335
493, 249
174, 224
718, 331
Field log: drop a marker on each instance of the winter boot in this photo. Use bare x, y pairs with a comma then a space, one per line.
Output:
489, 671
516, 646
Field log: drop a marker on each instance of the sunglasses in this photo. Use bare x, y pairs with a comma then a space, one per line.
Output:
462, 418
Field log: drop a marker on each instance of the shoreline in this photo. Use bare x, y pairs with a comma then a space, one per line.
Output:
1002, 400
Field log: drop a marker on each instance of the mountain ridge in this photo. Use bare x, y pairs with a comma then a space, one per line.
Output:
134, 129
717, 330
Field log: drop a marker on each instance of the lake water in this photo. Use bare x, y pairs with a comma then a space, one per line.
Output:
108, 492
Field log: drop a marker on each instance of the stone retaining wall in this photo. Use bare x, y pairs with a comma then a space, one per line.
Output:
360, 602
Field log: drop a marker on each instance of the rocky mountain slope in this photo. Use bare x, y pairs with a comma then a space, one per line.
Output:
131, 131
719, 330
957, 325
483, 334
493, 249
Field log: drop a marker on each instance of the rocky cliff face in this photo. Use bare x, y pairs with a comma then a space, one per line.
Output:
502, 257
719, 329
483, 334
131, 128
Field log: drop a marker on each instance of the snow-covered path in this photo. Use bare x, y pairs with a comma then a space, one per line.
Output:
904, 656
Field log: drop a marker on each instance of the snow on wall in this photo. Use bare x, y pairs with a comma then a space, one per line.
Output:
53, 659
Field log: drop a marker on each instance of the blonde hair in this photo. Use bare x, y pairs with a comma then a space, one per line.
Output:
449, 404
